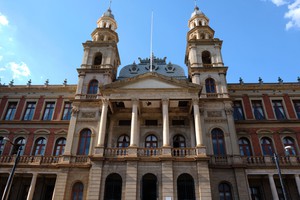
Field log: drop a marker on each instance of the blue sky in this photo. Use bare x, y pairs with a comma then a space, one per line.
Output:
42, 40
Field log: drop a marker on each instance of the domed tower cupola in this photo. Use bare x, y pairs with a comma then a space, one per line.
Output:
101, 56
203, 55
199, 26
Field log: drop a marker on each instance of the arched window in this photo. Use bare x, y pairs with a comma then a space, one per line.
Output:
218, 142
2, 143
93, 87
151, 141
84, 142
206, 59
185, 187
77, 191
267, 146
59, 148
39, 147
288, 141
123, 141
178, 141
210, 85
149, 187
245, 147
20, 141
225, 191
113, 187
98, 59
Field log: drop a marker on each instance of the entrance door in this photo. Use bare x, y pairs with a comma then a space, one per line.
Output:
149, 187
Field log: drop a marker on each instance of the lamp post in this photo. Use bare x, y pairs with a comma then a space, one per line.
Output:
279, 172
11, 175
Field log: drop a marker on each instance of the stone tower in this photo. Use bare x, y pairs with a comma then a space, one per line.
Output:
100, 59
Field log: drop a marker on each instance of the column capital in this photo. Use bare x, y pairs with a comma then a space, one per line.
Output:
165, 101
105, 101
134, 100
195, 101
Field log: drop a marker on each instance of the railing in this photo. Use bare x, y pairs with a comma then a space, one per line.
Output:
113, 152
183, 152
254, 160
220, 160
149, 152
42, 160
91, 96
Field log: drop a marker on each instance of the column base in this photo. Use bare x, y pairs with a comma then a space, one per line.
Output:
98, 152
132, 151
167, 151
201, 151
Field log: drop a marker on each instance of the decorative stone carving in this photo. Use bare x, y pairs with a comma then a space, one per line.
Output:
88, 115
214, 113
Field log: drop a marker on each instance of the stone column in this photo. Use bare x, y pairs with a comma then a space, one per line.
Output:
131, 180
71, 131
79, 85
297, 179
95, 178
166, 132
167, 179
273, 187
198, 127
32, 186
102, 126
134, 121
60, 185
203, 182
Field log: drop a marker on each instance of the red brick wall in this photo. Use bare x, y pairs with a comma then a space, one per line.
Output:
20, 108
255, 143
268, 106
57, 111
2, 105
247, 104
278, 144
39, 107
289, 106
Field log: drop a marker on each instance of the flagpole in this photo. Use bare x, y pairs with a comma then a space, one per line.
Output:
151, 42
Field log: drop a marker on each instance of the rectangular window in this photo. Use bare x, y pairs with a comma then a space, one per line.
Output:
255, 193
151, 123
11, 110
258, 110
124, 122
183, 104
48, 112
297, 107
30, 107
67, 111
238, 112
176, 122
279, 109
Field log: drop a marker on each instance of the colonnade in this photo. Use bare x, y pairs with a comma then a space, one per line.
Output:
134, 123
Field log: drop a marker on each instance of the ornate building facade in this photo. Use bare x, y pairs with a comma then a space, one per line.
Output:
151, 132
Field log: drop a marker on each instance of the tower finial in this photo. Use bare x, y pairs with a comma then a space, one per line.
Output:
110, 1
195, 3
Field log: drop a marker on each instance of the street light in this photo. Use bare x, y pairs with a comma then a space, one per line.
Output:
11, 175
286, 148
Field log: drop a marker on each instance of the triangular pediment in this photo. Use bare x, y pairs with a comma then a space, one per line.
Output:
150, 81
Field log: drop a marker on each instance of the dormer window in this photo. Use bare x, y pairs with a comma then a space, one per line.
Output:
98, 59
93, 87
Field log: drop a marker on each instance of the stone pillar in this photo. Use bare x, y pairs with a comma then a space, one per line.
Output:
297, 179
167, 179
203, 181
60, 185
80, 85
71, 131
134, 121
95, 178
198, 127
273, 187
131, 181
32, 186
242, 186
231, 129
196, 78
166, 133
102, 126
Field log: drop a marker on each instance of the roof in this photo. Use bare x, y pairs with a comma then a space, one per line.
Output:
158, 65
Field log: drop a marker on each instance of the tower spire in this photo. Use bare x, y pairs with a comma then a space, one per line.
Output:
110, 1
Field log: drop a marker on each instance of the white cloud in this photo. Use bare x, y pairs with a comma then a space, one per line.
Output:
1, 57
18, 70
3, 20
279, 2
293, 15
